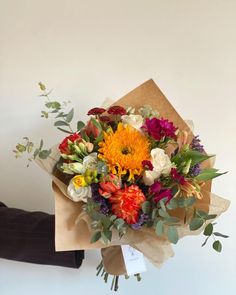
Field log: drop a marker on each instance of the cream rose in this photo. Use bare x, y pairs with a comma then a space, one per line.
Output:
79, 194
135, 121
161, 166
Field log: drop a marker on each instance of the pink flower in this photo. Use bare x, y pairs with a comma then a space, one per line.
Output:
160, 128
109, 185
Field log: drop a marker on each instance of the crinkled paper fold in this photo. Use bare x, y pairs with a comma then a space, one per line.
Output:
72, 225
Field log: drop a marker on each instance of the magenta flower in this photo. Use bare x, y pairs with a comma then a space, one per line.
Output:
177, 176
160, 193
160, 128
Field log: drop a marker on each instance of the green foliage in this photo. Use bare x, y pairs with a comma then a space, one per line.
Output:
146, 207
95, 237
208, 230
80, 125
208, 174
217, 246
196, 223
159, 228
172, 234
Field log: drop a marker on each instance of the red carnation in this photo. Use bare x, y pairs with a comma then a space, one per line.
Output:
105, 119
116, 110
64, 147
96, 111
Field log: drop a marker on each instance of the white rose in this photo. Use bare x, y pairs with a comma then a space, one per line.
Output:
161, 166
90, 161
80, 194
136, 121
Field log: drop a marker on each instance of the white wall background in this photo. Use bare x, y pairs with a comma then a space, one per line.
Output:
90, 50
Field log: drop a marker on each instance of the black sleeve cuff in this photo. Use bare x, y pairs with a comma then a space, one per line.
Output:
29, 237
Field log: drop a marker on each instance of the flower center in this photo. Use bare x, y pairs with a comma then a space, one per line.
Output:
126, 150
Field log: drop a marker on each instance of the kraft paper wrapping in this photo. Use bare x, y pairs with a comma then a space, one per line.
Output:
72, 225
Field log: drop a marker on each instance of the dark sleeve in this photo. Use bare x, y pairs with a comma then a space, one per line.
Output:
29, 237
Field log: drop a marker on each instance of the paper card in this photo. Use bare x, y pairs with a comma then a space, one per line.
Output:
134, 260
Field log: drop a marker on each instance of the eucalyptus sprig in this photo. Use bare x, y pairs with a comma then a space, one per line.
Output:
63, 118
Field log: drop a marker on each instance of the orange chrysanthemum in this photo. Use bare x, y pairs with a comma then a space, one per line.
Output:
127, 202
124, 150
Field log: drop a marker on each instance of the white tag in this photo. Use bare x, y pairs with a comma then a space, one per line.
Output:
134, 260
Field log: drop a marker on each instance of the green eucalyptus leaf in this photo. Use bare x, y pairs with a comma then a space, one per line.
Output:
210, 216
63, 130
172, 234
44, 154
208, 230
201, 214
36, 152
163, 213
162, 204
41, 144
172, 219
189, 201
42, 86
159, 228
205, 241
196, 223
217, 246
80, 125
61, 123
21, 148
119, 223
146, 207
95, 237
220, 235
172, 205
70, 116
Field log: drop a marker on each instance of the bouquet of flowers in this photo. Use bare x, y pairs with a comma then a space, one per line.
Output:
133, 174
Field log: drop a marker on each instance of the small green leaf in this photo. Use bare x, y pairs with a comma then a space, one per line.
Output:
119, 222
36, 152
217, 246
42, 86
210, 216
44, 154
80, 125
201, 214
172, 219
63, 130
106, 236
189, 201
162, 204
208, 230
41, 144
30, 147
159, 228
61, 123
172, 205
172, 234
205, 241
146, 207
95, 237
196, 157
70, 116
196, 223
220, 235
163, 213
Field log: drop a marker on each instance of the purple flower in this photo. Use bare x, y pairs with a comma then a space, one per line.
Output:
142, 219
97, 198
195, 170
160, 128
196, 145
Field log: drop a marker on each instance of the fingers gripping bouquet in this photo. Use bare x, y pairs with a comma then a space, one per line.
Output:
133, 174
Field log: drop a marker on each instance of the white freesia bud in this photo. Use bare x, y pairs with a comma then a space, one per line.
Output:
161, 166
72, 168
136, 121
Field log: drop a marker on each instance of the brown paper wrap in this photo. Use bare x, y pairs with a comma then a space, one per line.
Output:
72, 228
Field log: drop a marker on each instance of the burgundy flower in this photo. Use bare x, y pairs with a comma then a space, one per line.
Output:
177, 176
160, 193
160, 128
96, 111
116, 110
105, 119
147, 165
